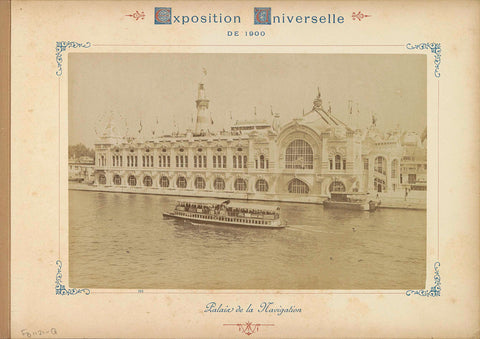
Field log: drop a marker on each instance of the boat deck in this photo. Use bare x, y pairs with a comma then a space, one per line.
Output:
225, 219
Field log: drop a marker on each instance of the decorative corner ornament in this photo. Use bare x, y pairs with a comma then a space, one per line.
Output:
61, 47
434, 290
60, 287
435, 48
359, 16
137, 15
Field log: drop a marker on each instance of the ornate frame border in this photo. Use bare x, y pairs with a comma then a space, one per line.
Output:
435, 48
60, 287
434, 291
61, 47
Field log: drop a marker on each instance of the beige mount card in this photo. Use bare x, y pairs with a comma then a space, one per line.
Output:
231, 169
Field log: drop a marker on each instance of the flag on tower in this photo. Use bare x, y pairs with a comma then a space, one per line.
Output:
155, 129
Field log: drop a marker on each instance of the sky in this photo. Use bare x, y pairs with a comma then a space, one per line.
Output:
146, 88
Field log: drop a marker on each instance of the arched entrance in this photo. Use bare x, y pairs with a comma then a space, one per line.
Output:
297, 186
261, 185
337, 186
181, 182
199, 183
117, 180
240, 185
132, 181
219, 184
147, 181
102, 180
164, 182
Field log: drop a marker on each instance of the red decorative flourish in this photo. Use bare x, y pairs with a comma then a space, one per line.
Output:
359, 15
248, 328
137, 15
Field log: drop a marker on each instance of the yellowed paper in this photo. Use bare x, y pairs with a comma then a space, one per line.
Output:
357, 81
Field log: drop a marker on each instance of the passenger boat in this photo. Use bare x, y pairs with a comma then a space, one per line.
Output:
351, 201
226, 212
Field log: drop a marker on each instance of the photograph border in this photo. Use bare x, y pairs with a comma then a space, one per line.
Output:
432, 267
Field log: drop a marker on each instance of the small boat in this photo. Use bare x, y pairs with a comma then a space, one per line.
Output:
226, 212
351, 201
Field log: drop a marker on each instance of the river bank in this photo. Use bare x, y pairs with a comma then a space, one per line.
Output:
415, 200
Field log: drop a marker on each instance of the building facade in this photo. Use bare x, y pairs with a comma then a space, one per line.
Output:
81, 169
413, 173
303, 160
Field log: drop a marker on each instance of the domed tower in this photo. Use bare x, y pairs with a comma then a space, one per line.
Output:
110, 134
201, 123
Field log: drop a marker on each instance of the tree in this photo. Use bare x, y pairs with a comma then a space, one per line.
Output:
80, 150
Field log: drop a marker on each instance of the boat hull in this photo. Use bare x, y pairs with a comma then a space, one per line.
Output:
350, 205
217, 221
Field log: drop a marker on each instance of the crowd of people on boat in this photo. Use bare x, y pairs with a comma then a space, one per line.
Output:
224, 209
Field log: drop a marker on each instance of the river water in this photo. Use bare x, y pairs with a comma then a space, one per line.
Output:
119, 240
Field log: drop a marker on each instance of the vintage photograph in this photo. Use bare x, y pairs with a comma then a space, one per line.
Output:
247, 171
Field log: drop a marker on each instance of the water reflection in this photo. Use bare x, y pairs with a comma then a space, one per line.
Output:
122, 241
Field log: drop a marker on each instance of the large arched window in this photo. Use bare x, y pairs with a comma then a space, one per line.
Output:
199, 183
117, 180
394, 169
298, 187
380, 165
299, 155
147, 181
164, 182
102, 180
240, 185
181, 182
132, 181
337, 186
219, 184
261, 185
